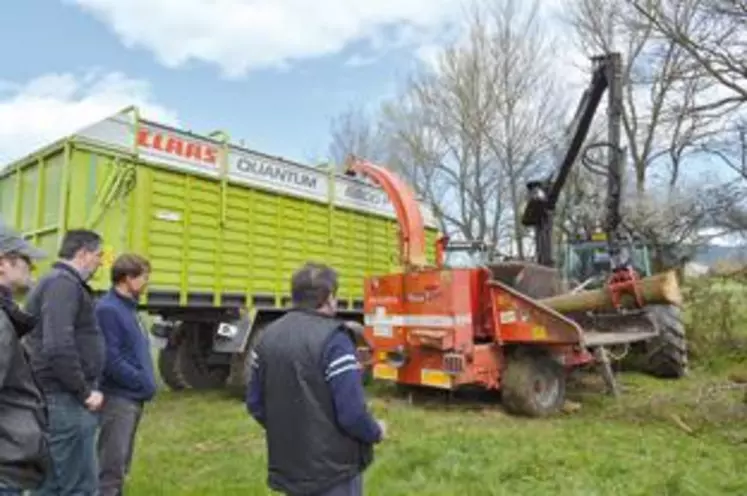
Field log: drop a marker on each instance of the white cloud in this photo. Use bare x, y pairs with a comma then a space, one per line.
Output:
51, 106
241, 35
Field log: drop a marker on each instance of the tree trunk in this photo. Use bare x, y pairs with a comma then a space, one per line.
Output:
660, 288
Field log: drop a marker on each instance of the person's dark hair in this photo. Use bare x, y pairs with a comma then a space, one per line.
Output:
76, 240
128, 265
312, 285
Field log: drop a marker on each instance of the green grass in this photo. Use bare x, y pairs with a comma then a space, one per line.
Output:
205, 443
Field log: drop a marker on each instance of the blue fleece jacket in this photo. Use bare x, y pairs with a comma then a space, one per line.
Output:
128, 371
343, 375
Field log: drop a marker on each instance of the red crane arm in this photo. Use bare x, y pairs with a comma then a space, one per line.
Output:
411, 225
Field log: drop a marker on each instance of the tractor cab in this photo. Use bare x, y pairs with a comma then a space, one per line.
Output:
588, 262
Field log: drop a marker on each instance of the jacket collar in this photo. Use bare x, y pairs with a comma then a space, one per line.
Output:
311, 311
22, 321
130, 302
65, 267
5, 293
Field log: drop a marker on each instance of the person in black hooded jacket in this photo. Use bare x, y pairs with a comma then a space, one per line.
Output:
24, 454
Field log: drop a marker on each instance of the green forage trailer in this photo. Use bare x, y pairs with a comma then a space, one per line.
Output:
223, 226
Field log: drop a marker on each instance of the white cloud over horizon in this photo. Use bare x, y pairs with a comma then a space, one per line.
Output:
36, 112
241, 35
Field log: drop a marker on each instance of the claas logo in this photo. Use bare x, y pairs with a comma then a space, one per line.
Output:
172, 145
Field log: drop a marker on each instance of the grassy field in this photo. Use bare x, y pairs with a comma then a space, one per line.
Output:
669, 438
678, 438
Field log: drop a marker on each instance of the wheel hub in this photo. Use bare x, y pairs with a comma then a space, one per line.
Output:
545, 390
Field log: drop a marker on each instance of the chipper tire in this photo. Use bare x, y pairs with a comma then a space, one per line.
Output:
664, 356
168, 369
533, 385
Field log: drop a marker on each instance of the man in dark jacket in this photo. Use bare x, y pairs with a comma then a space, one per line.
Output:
128, 380
67, 356
306, 390
24, 457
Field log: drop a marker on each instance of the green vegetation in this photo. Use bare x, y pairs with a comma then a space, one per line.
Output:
716, 318
681, 438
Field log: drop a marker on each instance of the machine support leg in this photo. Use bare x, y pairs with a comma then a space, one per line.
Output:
600, 353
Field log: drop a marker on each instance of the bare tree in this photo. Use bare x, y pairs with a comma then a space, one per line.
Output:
438, 127
355, 132
469, 131
712, 32
676, 223
661, 89
729, 147
528, 108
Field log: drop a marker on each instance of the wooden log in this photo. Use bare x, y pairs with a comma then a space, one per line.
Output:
657, 289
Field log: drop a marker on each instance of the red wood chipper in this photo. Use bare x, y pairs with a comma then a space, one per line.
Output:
516, 326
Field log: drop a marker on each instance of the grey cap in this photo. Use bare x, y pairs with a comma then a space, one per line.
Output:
12, 242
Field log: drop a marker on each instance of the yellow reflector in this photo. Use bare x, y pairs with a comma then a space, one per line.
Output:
384, 371
435, 378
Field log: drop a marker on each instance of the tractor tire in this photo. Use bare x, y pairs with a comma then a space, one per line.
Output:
168, 369
666, 355
533, 385
192, 363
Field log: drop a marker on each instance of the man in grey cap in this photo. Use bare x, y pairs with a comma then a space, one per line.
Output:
24, 455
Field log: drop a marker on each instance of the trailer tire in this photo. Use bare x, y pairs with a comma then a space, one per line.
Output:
533, 385
192, 362
168, 368
665, 355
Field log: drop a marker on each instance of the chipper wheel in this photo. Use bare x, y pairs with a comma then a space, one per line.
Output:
533, 385
665, 355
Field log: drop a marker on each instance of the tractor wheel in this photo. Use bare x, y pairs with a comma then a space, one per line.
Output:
666, 354
533, 385
193, 352
168, 368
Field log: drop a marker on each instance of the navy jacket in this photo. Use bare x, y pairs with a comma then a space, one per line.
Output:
128, 370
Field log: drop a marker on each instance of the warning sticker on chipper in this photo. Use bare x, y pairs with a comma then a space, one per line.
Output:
382, 331
508, 317
382, 326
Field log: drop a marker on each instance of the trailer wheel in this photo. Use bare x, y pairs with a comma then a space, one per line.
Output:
665, 355
192, 360
533, 385
168, 368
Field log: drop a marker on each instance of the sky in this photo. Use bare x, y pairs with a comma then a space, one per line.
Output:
269, 72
